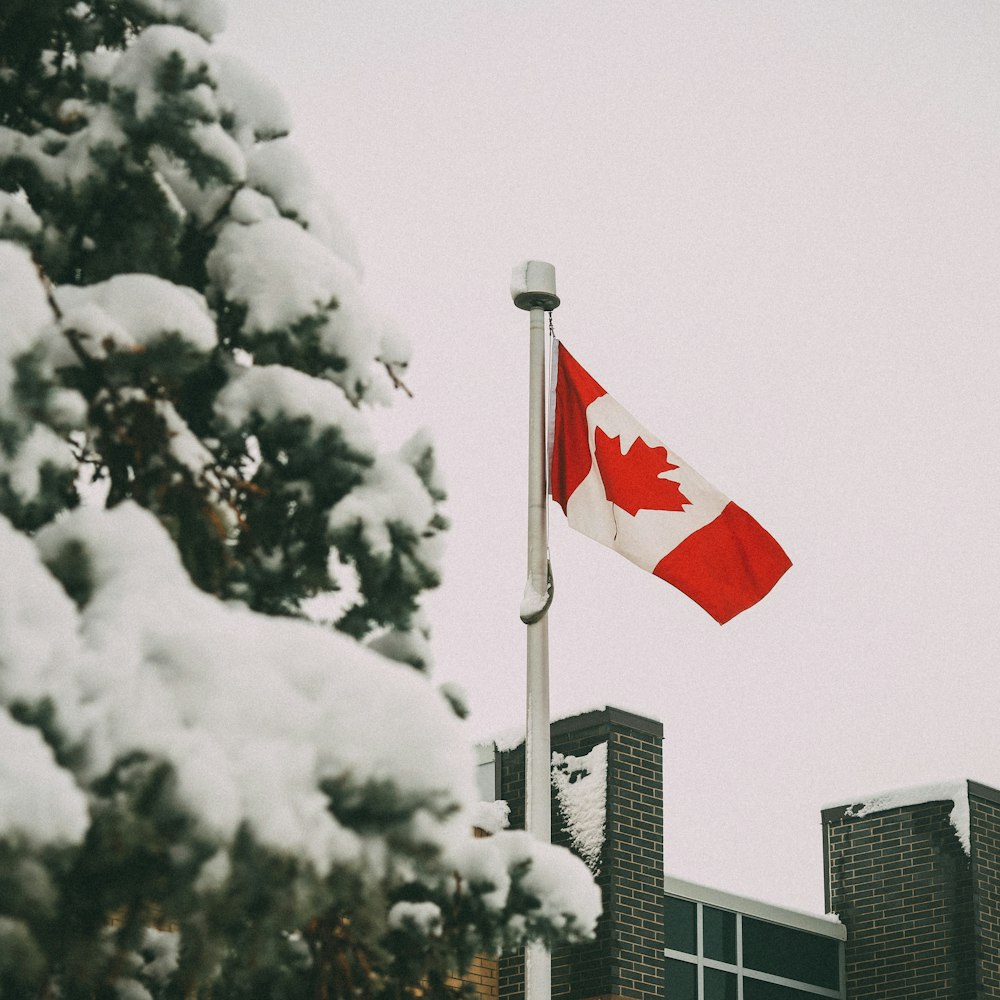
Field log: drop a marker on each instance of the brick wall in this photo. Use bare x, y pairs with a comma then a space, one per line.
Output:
984, 827
482, 977
902, 884
511, 767
626, 959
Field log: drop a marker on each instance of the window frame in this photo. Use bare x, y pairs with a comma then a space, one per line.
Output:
703, 896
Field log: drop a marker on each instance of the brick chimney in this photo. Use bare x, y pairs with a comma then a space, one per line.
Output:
626, 959
915, 877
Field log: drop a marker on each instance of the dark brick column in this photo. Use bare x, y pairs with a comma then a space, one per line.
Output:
626, 959
984, 827
902, 884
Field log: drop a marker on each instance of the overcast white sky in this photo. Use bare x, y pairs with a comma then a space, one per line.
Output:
776, 233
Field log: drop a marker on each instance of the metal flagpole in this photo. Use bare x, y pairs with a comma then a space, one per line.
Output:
534, 290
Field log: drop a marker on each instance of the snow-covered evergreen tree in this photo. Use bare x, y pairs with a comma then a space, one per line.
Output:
200, 789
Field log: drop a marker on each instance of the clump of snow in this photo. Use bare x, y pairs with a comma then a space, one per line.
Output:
491, 817
38, 625
135, 69
249, 206
278, 271
161, 954
99, 64
391, 496
17, 216
214, 872
216, 143
204, 203
184, 444
395, 348
282, 275
38, 799
41, 447
66, 408
581, 785
279, 169
150, 664
956, 792
25, 320
271, 391
248, 745
533, 603
131, 989
456, 695
208, 17
135, 310
552, 879
25, 310
415, 451
425, 916
258, 108
404, 646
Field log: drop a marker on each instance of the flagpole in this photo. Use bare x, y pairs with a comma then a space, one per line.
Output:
534, 290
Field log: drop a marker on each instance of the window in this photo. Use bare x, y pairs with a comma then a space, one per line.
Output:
681, 925
790, 953
719, 929
681, 980
716, 953
486, 775
720, 985
759, 989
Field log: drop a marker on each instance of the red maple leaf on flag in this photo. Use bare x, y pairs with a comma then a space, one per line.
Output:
632, 480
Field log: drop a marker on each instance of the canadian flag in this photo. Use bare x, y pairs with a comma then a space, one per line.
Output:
623, 487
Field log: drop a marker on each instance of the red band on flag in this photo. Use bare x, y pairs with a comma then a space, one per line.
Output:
727, 566
571, 454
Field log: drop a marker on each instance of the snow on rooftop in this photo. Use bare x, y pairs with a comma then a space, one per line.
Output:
956, 792
512, 737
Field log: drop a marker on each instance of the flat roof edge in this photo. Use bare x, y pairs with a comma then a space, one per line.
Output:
901, 798
608, 716
825, 926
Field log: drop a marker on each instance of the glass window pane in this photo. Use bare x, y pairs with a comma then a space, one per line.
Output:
756, 989
790, 953
681, 980
718, 928
486, 780
681, 932
720, 985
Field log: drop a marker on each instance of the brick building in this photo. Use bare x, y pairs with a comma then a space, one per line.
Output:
913, 876
626, 959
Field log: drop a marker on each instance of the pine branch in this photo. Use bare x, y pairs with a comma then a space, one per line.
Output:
397, 382
216, 482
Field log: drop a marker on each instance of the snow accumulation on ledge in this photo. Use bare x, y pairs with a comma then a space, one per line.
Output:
581, 785
511, 738
956, 792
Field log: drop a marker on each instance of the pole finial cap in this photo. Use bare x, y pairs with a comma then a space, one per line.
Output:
533, 286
